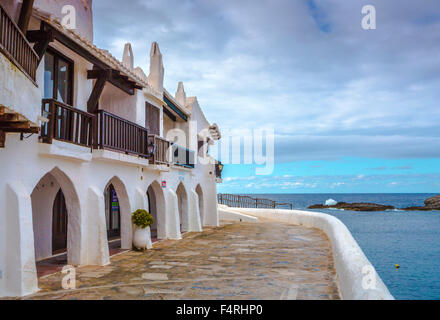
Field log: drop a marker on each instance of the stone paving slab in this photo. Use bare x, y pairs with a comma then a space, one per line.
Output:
267, 260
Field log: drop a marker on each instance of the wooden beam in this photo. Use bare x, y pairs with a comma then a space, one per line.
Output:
9, 117
7, 125
93, 102
99, 73
41, 38
33, 130
115, 78
2, 139
25, 15
74, 46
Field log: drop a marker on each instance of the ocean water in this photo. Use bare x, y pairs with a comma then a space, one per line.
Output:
410, 239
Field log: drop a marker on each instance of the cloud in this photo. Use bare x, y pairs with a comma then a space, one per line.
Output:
305, 68
403, 168
381, 168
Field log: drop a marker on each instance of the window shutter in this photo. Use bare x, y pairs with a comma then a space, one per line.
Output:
152, 122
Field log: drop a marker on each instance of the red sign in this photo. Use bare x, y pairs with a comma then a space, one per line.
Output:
164, 184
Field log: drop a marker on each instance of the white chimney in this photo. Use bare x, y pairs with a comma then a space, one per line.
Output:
128, 58
181, 95
155, 78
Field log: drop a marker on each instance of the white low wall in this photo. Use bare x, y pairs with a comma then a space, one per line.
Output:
228, 215
357, 278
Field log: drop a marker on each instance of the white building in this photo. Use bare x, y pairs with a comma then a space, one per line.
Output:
84, 142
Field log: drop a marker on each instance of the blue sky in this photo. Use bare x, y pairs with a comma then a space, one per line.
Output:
353, 110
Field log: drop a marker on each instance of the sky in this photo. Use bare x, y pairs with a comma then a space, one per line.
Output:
352, 110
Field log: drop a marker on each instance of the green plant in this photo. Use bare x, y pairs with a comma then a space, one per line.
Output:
142, 218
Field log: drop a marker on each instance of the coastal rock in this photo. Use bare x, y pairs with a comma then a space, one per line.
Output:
431, 204
367, 207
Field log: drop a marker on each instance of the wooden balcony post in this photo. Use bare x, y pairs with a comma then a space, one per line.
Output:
25, 15
52, 119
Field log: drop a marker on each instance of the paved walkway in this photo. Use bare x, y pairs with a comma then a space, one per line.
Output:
267, 260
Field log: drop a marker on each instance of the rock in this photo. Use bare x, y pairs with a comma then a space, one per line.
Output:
367, 207
433, 202
418, 209
430, 205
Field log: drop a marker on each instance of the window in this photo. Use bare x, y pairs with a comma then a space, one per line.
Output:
58, 77
152, 122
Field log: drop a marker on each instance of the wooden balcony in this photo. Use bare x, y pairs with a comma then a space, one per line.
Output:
162, 152
66, 124
14, 45
117, 134
183, 157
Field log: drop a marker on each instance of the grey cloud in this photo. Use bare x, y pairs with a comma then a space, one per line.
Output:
328, 94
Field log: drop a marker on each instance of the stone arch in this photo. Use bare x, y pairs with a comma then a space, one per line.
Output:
124, 211
182, 205
157, 208
42, 198
201, 203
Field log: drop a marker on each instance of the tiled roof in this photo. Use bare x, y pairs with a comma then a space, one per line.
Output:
101, 54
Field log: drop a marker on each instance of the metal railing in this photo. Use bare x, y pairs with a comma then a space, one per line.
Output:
241, 201
66, 124
116, 133
162, 151
14, 45
183, 157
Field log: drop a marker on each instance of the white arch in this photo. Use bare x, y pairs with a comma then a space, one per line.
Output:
124, 210
182, 207
42, 203
201, 203
157, 208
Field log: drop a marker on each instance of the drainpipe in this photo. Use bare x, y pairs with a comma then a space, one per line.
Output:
25, 15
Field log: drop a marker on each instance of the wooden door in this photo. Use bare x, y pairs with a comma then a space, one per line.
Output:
152, 121
59, 224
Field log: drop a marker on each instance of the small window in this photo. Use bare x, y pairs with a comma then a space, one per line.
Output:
58, 77
152, 119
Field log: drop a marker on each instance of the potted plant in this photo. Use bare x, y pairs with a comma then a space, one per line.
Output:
142, 221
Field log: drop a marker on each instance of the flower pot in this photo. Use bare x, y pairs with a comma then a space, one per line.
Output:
142, 238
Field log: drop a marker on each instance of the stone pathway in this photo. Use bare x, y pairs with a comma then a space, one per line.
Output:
236, 261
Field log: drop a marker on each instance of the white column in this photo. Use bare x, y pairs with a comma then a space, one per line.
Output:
194, 223
98, 251
19, 276
172, 220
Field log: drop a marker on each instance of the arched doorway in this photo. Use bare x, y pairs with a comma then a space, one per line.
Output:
201, 204
182, 200
56, 222
112, 215
59, 224
118, 215
156, 206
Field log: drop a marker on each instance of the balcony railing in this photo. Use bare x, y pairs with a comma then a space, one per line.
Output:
183, 157
115, 133
162, 152
66, 124
15, 47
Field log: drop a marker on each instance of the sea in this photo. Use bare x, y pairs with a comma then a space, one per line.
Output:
389, 238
